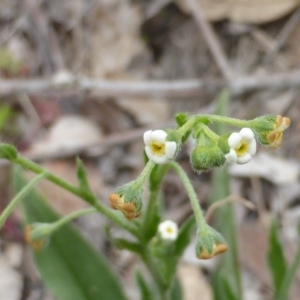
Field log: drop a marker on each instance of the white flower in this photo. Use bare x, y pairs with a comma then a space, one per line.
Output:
168, 230
242, 146
157, 148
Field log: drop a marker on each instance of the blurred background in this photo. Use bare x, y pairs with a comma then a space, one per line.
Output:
87, 78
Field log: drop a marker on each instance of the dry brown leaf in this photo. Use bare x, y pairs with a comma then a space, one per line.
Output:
244, 11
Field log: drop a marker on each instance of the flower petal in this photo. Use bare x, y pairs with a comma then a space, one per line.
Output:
234, 139
244, 159
252, 147
149, 153
170, 149
159, 136
147, 137
160, 160
247, 134
231, 156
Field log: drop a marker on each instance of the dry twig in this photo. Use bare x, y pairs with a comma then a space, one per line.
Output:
149, 89
212, 40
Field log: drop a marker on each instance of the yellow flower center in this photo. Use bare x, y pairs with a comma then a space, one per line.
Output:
157, 148
241, 149
169, 230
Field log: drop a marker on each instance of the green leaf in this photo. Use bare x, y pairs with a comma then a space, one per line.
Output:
229, 265
275, 256
176, 291
70, 267
128, 245
289, 276
184, 236
82, 175
145, 291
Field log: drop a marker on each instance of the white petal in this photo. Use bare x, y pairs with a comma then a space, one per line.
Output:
170, 149
234, 139
159, 136
147, 137
160, 160
244, 159
149, 153
247, 134
231, 157
252, 147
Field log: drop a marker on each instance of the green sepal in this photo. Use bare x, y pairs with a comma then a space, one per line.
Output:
223, 142
207, 238
8, 152
181, 119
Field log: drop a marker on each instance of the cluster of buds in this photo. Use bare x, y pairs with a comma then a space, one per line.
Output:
128, 199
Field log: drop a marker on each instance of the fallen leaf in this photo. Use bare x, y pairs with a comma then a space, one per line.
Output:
244, 11
277, 170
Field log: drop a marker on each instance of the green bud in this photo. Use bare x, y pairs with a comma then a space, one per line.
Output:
8, 152
204, 158
209, 243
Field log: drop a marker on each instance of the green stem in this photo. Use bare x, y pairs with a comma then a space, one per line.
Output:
25, 190
72, 216
200, 220
145, 173
154, 271
88, 197
223, 120
186, 127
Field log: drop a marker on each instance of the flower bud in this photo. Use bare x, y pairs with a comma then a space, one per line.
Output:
37, 235
209, 243
269, 129
128, 199
204, 158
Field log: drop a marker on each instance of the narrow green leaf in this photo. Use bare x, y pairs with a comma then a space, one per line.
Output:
229, 265
82, 176
184, 236
283, 293
145, 291
275, 257
176, 290
128, 245
70, 267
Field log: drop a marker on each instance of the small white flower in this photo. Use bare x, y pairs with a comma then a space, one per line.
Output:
242, 146
157, 148
168, 230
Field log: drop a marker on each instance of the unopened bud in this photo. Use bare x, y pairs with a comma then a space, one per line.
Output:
209, 243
